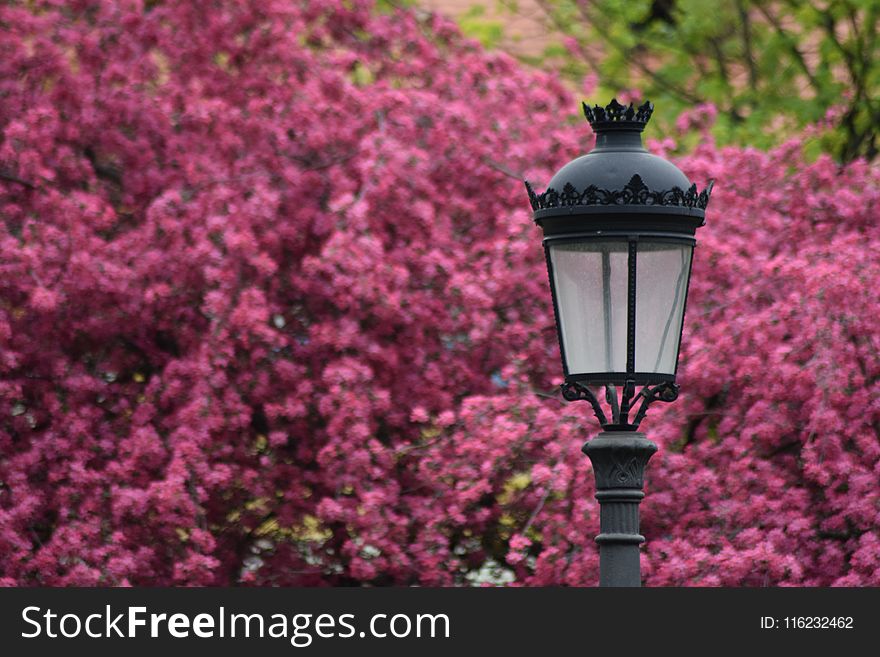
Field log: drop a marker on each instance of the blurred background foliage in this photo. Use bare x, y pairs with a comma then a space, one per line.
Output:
770, 68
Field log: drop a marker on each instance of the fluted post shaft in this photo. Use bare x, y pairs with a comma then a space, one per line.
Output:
619, 459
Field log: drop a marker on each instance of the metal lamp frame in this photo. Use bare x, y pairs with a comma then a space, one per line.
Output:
604, 196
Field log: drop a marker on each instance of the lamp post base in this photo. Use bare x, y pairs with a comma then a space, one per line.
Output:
619, 459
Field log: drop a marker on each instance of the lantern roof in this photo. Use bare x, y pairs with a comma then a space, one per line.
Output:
619, 176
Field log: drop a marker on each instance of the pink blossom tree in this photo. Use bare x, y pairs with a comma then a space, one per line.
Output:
273, 311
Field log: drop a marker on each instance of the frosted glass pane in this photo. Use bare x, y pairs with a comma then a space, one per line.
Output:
591, 295
662, 271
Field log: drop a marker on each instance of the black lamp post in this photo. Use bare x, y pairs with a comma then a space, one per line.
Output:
619, 226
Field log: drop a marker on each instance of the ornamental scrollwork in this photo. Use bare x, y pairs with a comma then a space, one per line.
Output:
635, 192
667, 391
623, 469
575, 391
615, 112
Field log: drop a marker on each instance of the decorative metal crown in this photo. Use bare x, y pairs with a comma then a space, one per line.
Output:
615, 114
635, 192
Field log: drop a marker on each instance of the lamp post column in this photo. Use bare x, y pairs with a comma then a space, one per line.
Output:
619, 459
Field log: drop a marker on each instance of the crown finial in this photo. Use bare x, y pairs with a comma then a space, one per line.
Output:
616, 116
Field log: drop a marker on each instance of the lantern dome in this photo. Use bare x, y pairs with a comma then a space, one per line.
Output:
619, 176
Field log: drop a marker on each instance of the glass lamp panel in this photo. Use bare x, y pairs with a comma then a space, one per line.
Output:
590, 279
662, 271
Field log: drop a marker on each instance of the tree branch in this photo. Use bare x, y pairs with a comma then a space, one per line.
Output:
659, 79
791, 45
15, 179
746, 33
503, 169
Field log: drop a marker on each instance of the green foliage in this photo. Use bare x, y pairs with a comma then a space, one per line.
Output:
475, 25
389, 6
769, 68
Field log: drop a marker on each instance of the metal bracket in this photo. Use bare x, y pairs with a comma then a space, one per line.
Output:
576, 392
666, 391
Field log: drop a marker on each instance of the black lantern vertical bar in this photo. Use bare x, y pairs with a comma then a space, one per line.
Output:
631, 310
684, 309
556, 317
606, 304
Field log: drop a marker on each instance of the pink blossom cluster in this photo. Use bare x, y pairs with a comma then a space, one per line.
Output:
273, 311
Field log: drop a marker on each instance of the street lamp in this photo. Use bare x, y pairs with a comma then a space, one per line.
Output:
619, 226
